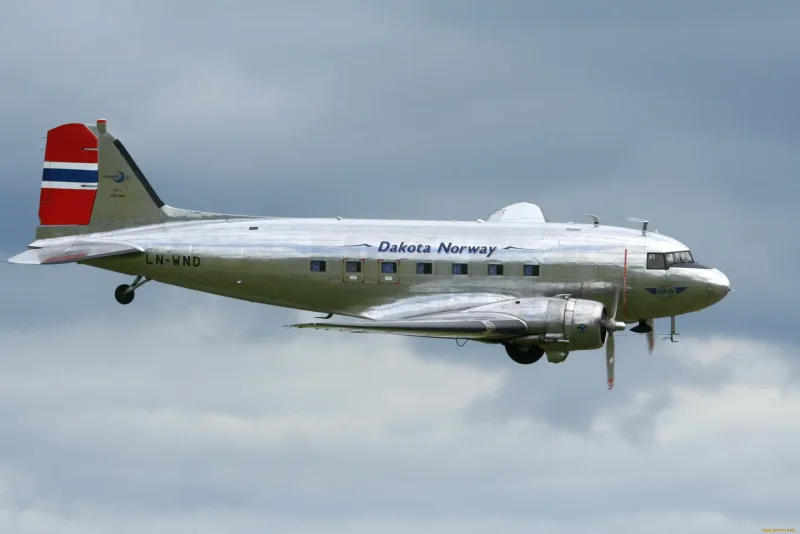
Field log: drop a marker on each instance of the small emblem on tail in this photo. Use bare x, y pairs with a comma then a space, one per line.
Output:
117, 177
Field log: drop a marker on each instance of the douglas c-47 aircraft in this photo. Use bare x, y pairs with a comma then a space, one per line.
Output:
513, 279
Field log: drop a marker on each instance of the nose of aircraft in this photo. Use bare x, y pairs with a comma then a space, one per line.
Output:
718, 285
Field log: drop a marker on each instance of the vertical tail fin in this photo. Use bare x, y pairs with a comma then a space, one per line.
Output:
90, 183
124, 196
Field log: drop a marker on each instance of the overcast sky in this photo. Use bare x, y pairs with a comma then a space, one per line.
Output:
189, 413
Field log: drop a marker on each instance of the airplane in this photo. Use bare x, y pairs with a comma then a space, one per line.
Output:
514, 278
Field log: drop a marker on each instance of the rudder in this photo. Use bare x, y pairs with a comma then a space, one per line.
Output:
69, 177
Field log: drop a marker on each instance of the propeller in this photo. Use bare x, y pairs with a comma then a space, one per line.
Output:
645, 326
611, 325
610, 350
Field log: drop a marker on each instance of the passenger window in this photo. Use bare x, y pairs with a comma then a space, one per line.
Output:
655, 261
424, 268
388, 267
495, 269
530, 270
459, 268
317, 266
352, 267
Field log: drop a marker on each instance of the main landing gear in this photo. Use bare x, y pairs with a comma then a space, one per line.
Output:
524, 354
125, 293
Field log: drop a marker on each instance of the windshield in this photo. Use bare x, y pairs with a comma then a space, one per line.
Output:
682, 258
676, 258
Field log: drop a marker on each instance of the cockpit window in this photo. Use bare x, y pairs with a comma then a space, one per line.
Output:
655, 261
683, 258
678, 258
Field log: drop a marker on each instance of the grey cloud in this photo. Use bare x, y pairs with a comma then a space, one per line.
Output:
87, 520
570, 395
682, 113
191, 413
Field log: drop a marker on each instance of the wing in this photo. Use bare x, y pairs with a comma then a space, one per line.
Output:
488, 326
75, 252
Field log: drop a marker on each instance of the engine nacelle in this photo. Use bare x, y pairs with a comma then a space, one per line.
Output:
565, 324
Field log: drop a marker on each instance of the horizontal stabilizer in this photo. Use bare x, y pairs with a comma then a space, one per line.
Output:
461, 325
73, 253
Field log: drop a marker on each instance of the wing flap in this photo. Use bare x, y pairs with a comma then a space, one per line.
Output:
463, 325
75, 252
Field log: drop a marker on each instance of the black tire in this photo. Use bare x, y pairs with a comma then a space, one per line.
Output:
121, 296
524, 354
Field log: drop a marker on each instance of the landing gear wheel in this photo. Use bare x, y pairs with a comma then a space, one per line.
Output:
125, 293
524, 354
122, 294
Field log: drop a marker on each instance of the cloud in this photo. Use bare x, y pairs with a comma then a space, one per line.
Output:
36, 521
115, 416
90, 522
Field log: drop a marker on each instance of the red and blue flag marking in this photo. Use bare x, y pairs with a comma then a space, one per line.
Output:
69, 178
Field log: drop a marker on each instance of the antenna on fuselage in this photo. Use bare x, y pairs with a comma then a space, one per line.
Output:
644, 223
594, 217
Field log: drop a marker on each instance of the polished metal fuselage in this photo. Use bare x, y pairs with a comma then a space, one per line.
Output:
267, 260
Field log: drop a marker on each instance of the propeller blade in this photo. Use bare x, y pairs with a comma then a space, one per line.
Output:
610, 322
610, 360
651, 336
612, 313
612, 325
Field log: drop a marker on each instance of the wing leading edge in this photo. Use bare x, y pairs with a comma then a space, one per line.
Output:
74, 252
460, 325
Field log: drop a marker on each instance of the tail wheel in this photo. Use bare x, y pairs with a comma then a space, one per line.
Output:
524, 354
124, 294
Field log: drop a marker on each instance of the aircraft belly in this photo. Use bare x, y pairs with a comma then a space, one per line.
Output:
122, 265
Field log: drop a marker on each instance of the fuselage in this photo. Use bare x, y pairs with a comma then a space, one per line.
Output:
397, 268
